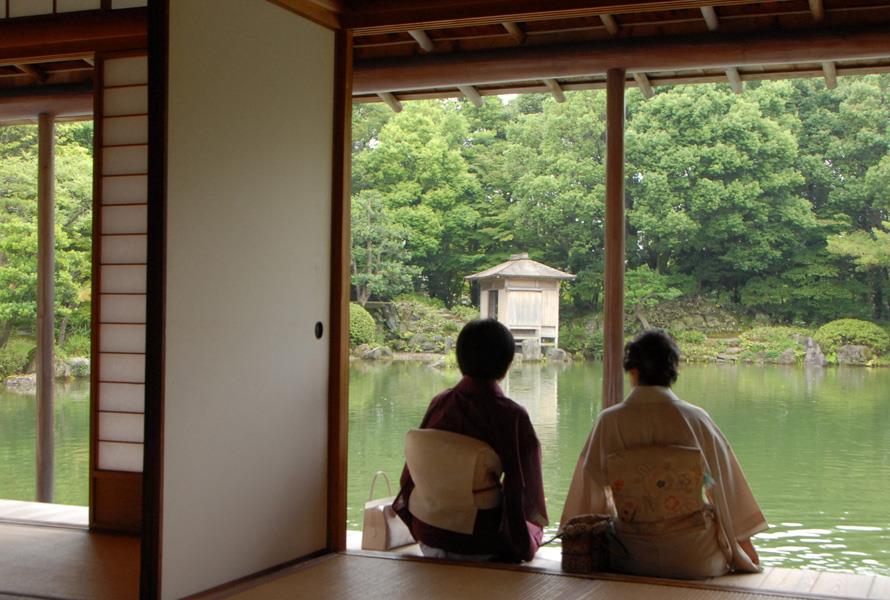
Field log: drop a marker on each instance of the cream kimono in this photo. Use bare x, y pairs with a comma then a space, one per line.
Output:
653, 416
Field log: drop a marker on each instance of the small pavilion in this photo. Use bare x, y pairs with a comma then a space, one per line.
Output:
523, 294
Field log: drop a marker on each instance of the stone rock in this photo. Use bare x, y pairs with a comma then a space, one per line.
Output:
430, 346
853, 354
449, 344
814, 355
726, 357
79, 366
558, 355
732, 350
22, 384
438, 363
377, 353
61, 369
531, 350
787, 357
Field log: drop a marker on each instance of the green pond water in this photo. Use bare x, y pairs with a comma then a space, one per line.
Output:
814, 444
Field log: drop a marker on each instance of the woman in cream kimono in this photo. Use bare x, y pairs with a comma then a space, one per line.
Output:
645, 464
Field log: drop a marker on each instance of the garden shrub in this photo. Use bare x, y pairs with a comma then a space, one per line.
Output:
852, 331
77, 344
362, 329
582, 336
14, 357
770, 342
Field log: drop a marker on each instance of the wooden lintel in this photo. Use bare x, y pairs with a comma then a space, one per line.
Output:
75, 35
644, 84
555, 89
710, 16
610, 24
391, 101
646, 55
818, 10
388, 16
423, 40
515, 32
324, 12
471, 94
830, 71
735, 80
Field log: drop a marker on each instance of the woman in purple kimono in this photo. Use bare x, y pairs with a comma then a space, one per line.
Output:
512, 528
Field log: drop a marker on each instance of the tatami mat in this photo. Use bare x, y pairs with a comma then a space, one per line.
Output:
347, 577
51, 562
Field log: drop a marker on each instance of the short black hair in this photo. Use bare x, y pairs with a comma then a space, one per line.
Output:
656, 357
485, 349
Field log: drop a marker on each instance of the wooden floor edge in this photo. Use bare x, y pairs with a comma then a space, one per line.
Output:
680, 583
264, 576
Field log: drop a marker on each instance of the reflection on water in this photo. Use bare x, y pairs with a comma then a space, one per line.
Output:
18, 418
814, 443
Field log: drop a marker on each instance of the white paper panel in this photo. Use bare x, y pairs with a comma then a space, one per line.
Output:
125, 160
125, 101
117, 249
125, 190
129, 70
128, 279
127, 368
2, 10
124, 130
122, 396
120, 457
124, 219
24, 8
122, 309
115, 427
128, 3
121, 338
75, 5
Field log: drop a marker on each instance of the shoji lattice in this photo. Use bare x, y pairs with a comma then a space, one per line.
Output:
30, 8
122, 140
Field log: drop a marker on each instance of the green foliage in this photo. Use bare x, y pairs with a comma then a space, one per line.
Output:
773, 202
77, 344
18, 224
582, 335
15, 355
852, 331
768, 343
362, 329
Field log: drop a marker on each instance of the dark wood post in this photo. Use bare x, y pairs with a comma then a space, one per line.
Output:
45, 301
613, 305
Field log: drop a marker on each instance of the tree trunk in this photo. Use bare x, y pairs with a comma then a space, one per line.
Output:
641, 317
362, 293
5, 333
63, 331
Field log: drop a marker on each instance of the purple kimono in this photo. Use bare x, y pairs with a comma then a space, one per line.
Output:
513, 531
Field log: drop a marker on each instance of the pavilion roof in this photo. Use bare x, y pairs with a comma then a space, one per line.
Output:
520, 265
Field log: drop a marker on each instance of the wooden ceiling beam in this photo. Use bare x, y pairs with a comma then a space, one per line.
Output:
471, 94
515, 32
326, 13
388, 16
710, 16
644, 84
73, 35
391, 101
35, 72
423, 40
818, 10
735, 80
555, 89
610, 24
646, 55
830, 71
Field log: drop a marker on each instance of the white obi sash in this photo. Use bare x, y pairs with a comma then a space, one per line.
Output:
454, 476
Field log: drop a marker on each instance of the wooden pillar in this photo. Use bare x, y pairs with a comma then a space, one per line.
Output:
45, 299
613, 305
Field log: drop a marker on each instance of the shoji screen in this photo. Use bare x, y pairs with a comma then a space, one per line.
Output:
30, 8
120, 248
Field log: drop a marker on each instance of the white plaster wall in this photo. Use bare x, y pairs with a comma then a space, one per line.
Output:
248, 253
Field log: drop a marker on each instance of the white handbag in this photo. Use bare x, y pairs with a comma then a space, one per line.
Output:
382, 528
